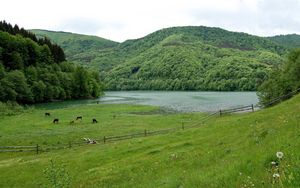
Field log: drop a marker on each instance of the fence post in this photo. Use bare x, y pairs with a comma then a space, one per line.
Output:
37, 149
220, 112
104, 139
252, 108
145, 132
182, 125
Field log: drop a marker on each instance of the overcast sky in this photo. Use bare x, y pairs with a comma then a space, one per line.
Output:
128, 19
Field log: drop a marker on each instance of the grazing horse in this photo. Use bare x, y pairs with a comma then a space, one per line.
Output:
55, 120
79, 117
95, 121
47, 114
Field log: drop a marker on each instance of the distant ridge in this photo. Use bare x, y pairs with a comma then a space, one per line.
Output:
177, 58
289, 41
74, 44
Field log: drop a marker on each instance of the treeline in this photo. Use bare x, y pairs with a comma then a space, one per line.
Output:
29, 73
57, 52
281, 81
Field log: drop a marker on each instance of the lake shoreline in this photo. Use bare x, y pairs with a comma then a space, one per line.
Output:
175, 101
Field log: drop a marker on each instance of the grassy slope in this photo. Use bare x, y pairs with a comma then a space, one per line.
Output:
41, 130
221, 153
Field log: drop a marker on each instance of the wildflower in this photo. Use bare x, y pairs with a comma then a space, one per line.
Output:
276, 175
279, 154
275, 164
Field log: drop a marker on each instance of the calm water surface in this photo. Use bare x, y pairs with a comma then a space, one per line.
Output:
181, 101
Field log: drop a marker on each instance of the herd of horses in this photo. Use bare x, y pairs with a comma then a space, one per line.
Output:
56, 120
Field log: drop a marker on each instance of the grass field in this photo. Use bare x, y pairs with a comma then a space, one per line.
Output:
230, 151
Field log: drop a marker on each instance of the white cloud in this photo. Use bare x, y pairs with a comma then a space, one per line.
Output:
119, 20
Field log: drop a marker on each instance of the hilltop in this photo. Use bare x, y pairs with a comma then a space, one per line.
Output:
185, 58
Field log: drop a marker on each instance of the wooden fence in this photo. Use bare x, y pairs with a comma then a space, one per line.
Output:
239, 109
35, 149
107, 139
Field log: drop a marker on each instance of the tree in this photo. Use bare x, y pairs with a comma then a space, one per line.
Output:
2, 71
281, 81
38, 91
20, 86
7, 92
80, 86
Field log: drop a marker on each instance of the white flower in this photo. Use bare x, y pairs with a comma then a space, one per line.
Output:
276, 175
279, 154
273, 163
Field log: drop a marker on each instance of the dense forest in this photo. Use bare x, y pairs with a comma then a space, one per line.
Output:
178, 58
34, 70
289, 41
283, 80
194, 58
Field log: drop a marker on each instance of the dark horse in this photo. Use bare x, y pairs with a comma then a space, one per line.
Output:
95, 121
79, 117
47, 114
55, 120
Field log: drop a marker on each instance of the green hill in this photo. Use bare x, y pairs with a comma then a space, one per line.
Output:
185, 58
289, 41
229, 151
79, 48
194, 58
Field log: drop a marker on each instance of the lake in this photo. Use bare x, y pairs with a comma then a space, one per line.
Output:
181, 101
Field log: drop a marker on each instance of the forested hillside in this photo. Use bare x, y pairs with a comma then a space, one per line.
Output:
34, 70
289, 41
82, 49
283, 80
194, 58
187, 58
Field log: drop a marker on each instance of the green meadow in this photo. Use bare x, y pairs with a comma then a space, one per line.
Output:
229, 151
